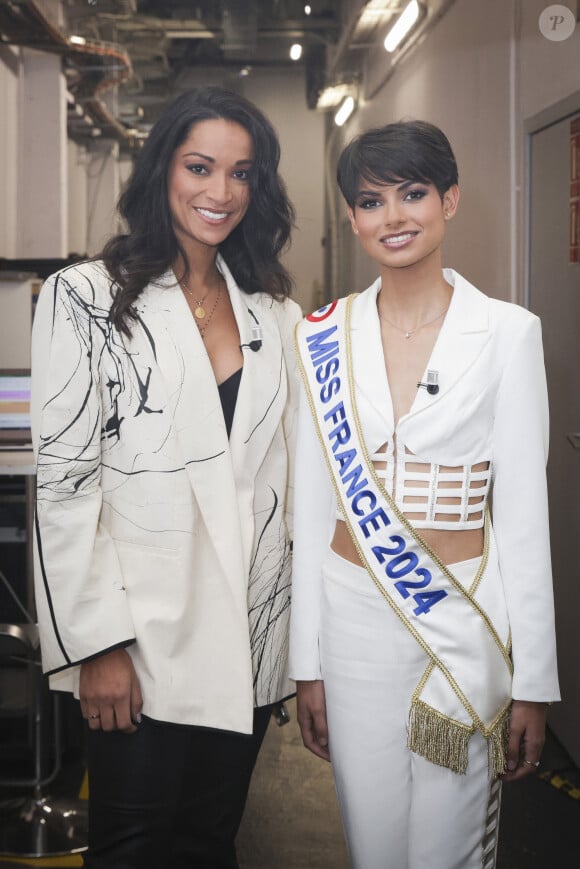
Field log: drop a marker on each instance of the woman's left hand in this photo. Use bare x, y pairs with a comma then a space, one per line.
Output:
526, 739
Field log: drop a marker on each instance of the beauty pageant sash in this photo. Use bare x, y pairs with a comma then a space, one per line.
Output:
467, 683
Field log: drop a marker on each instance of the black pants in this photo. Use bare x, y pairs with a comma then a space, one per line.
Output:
169, 795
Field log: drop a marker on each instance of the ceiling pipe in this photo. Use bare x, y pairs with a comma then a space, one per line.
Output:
25, 24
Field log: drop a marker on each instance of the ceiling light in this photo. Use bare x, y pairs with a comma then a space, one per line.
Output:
77, 40
332, 95
344, 112
307, 10
403, 25
375, 11
295, 51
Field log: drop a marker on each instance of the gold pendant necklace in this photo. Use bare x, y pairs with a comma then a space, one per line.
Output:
199, 310
210, 315
408, 333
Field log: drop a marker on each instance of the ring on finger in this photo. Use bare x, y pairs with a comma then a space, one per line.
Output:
94, 715
534, 763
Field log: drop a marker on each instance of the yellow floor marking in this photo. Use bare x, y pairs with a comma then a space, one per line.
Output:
60, 862
84, 791
561, 784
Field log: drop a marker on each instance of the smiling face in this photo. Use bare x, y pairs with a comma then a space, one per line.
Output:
400, 225
208, 183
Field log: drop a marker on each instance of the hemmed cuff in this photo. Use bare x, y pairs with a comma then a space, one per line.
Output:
122, 645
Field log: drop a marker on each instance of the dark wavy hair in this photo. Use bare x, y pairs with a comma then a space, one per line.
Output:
404, 151
150, 246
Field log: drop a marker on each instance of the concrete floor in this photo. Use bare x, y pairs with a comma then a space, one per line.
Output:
292, 822
291, 818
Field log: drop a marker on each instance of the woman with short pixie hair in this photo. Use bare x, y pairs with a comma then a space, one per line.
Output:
422, 630
163, 417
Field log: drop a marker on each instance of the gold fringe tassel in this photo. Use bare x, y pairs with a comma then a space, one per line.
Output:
497, 743
443, 741
437, 738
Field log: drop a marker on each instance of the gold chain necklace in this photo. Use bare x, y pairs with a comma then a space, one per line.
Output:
408, 333
211, 313
199, 310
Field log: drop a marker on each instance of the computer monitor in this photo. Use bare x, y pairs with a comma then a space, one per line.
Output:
14, 407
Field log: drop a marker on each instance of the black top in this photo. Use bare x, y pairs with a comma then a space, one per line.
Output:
228, 391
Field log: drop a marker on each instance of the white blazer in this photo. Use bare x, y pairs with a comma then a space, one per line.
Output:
153, 530
491, 406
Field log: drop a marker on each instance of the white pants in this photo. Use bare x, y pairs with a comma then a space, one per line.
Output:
399, 811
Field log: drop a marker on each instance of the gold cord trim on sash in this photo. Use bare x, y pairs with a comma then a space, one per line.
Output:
439, 738
401, 517
432, 734
428, 651
497, 744
413, 533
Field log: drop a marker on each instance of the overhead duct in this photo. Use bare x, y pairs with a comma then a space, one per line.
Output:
315, 63
240, 28
91, 67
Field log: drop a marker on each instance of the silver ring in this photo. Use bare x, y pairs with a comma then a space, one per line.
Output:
95, 715
532, 762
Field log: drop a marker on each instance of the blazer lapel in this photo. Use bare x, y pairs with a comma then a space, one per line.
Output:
369, 364
195, 405
262, 394
463, 336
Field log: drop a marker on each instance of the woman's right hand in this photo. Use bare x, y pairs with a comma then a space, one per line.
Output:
311, 704
110, 693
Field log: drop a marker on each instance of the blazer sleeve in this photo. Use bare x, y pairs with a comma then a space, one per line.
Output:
80, 598
289, 314
313, 526
520, 514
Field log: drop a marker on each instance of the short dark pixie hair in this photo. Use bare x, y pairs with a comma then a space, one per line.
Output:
404, 151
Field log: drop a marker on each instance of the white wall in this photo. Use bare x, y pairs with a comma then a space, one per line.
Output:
548, 71
59, 197
97, 173
9, 95
77, 184
282, 97
42, 171
480, 73
481, 70
103, 188
15, 322
33, 158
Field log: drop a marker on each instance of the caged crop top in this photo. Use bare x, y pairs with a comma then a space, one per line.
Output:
431, 495
439, 497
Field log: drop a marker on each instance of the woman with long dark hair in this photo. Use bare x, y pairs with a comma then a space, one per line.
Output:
163, 407
422, 636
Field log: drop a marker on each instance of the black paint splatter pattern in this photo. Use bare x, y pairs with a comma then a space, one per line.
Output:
269, 603
102, 385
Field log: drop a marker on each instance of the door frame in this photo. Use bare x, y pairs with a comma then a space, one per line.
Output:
558, 113
554, 114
